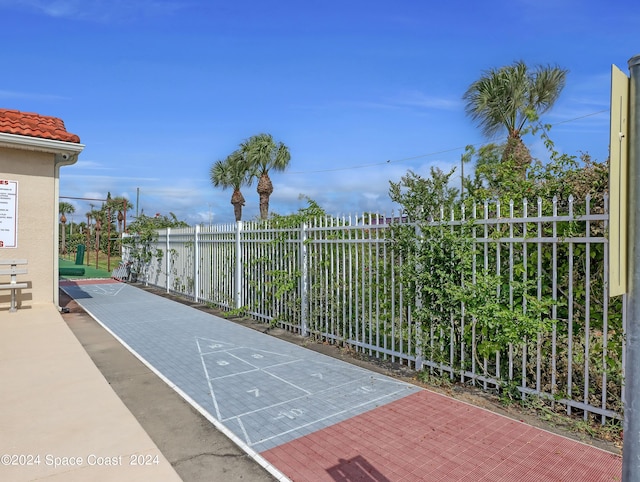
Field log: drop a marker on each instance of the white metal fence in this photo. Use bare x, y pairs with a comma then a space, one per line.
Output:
340, 279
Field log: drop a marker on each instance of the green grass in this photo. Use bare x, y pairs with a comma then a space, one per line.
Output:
89, 271
103, 262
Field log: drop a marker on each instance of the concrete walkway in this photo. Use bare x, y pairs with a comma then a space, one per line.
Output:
59, 418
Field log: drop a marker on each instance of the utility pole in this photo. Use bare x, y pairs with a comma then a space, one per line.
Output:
631, 447
462, 178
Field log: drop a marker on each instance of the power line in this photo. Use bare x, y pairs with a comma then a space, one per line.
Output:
376, 163
444, 151
581, 117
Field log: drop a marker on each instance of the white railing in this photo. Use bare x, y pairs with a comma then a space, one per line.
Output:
340, 280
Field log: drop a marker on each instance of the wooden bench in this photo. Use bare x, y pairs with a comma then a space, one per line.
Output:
13, 284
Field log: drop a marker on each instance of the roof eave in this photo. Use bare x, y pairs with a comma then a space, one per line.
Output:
66, 152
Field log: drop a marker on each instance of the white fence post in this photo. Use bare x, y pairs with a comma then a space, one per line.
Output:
167, 257
419, 363
196, 262
304, 277
238, 267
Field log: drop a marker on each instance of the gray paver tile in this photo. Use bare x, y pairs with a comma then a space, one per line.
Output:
265, 390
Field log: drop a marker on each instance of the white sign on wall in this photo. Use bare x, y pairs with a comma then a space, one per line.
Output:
8, 214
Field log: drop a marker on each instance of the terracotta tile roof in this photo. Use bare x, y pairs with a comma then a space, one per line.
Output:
35, 125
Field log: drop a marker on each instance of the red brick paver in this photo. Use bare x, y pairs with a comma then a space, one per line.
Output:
427, 436
80, 282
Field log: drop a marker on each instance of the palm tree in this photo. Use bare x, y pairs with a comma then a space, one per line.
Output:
233, 172
119, 205
65, 208
263, 155
100, 217
510, 97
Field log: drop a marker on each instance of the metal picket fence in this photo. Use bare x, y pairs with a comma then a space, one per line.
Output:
339, 279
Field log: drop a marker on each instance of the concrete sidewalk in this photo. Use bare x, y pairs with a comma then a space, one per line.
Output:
59, 418
312, 419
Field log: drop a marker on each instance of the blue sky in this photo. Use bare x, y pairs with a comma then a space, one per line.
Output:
360, 91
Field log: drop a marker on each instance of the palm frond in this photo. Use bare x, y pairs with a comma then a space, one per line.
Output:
509, 97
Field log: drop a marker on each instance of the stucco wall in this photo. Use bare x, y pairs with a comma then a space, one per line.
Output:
37, 228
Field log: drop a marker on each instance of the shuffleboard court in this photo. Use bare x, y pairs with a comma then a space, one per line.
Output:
264, 390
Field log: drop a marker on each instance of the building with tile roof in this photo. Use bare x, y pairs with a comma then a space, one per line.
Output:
33, 148
35, 125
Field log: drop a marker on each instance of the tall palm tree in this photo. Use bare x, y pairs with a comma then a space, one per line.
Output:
118, 205
263, 155
510, 97
233, 172
65, 208
100, 219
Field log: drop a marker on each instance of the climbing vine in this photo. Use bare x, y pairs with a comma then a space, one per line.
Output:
481, 300
140, 245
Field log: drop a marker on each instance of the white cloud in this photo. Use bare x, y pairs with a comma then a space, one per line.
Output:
105, 179
89, 165
96, 10
12, 94
402, 100
422, 100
